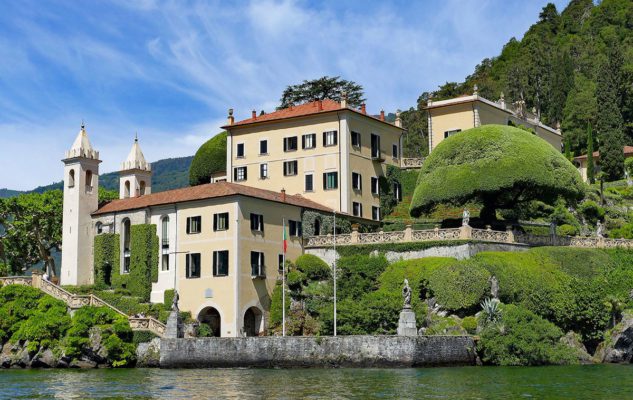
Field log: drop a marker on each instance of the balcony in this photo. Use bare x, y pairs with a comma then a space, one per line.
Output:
258, 271
376, 155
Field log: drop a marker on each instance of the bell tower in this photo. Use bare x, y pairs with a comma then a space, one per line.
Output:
81, 199
136, 174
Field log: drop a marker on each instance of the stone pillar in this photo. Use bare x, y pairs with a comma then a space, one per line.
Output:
408, 233
354, 234
510, 233
406, 323
36, 278
465, 232
174, 329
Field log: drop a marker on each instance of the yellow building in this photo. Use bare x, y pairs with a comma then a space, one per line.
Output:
447, 117
324, 150
581, 162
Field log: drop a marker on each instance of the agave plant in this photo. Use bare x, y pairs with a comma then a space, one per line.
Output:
491, 311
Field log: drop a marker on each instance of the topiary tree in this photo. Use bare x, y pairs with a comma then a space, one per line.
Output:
459, 287
209, 159
498, 166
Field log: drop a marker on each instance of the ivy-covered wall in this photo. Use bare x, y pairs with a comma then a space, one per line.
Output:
327, 223
106, 258
143, 260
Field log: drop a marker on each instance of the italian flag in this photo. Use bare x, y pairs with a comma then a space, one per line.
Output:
284, 238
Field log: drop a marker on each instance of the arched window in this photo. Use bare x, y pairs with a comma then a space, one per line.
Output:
71, 178
164, 237
142, 188
126, 245
88, 181
99, 228
127, 189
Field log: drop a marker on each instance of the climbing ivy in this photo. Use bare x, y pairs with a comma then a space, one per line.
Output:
106, 258
327, 223
143, 260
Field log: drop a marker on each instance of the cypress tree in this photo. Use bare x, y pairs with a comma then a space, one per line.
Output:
590, 169
609, 122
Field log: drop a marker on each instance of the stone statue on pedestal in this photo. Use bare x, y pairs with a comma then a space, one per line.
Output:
465, 217
599, 229
406, 294
174, 303
494, 287
406, 323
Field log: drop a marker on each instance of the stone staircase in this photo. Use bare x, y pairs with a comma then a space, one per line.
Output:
77, 301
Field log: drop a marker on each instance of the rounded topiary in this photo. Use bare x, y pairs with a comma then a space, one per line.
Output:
459, 286
470, 324
313, 267
498, 166
209, 159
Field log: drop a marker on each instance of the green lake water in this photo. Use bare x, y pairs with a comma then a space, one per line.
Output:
575, 382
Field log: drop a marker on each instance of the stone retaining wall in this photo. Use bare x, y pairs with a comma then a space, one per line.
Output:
341, 351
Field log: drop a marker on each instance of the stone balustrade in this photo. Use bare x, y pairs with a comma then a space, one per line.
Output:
463, 233
410, 163
77, 301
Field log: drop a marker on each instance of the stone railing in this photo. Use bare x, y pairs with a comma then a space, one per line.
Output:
464, 233
406, 163
77, 301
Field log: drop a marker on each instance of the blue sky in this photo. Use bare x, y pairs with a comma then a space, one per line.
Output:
170, 70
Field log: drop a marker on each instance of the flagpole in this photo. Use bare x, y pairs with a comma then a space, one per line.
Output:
334, 273
283, 282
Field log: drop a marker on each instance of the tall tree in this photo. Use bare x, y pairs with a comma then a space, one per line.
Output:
320, 89
562, 82
609, 121
590, 166
580, 108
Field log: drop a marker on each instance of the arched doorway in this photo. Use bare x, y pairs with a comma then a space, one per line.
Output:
317, 227
253, 321
211, 317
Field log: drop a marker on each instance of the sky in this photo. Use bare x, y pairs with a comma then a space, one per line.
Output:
170, 70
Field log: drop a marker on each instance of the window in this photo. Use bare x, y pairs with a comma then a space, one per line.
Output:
394, 151
257, 264
309, 186
397, 191
280, 262
239, 174
375, 146
308, 141
357, 209
375, 186
355, 139
221, 221
451, 132
165, 262
71, 178
290, 143
263, 171
127, 189
329, 138
99, 228
375, 213
193, 265
356, 181
295, 228
221, 263
257, 222
290, 168
194, 224
164, 224
88, 181
142, 188
263, 147
330, 180
240, 150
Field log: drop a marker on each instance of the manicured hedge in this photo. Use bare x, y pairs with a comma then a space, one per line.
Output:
459, 286
209, 159
313, 267
106, 258
366, 249
143, 260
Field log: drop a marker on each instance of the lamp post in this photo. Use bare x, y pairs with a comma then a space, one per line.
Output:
334, 212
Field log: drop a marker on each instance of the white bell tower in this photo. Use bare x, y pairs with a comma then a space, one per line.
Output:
136, 174
81, 199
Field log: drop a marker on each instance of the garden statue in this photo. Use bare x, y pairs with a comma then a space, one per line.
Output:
599, 229
494, 287
629, 181
552, 228
406, 293
174, 303
465, 217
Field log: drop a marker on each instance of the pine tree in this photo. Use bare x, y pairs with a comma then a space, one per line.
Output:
567, 149
590, 169
609, 121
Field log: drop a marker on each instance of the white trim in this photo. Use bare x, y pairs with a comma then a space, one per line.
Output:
236, 271
344, 174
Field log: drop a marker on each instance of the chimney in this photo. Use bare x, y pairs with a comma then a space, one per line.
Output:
320, 105
254, 114
382, 115
344, 100
363, 109
231, 119
398, 119
283, 195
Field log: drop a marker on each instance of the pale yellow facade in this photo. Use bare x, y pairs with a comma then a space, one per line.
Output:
451, 116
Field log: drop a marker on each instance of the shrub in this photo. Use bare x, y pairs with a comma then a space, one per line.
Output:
276, 309
470, 325
204, 330
168, 298
459, 286
294, 280
625, 231
209, 159
16, 305
139, 337
358, 275
567, 230
106, 258
45, 325
143, 260
523, 338
313, 267
591, 211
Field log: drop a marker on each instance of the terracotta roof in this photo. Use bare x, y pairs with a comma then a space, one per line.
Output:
311, 108
207, 191
628, 151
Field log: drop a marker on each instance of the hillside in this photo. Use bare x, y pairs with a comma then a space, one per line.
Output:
171, 173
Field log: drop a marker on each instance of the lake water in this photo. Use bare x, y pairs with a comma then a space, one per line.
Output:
575, 382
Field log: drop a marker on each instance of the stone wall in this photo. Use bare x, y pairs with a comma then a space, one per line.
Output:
342, 351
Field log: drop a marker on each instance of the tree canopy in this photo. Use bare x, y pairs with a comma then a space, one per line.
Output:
498, 166
322, 88
209, 159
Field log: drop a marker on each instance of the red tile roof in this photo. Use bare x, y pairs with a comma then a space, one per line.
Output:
207, 191
628, 151
311, 108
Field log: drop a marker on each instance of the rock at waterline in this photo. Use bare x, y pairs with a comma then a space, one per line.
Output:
618, 347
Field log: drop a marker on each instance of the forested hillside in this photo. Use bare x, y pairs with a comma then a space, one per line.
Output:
574, 67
